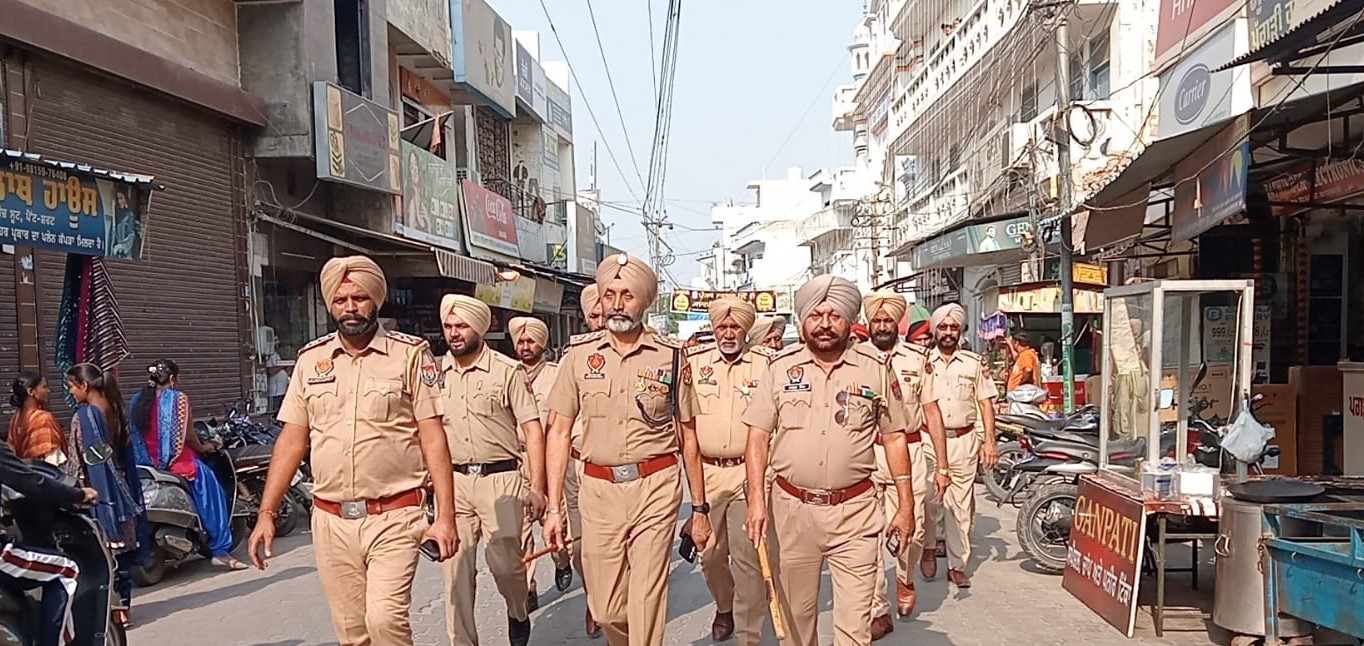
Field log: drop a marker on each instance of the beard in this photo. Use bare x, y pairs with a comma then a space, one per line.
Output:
466, 349
621, 321
947, 342
730, 348
356, 325
530, 357
825, 340
884, 340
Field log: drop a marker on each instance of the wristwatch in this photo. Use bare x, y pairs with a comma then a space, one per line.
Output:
703, 508
944, 472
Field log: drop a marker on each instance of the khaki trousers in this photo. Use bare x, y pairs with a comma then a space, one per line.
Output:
958, 504
914, 548
366, 566
489, 509
628, 531
847, 536
575, 516
528, 538
739, 590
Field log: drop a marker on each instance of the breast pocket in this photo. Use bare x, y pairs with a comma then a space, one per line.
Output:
861, 413
708, 399
966, 389
324, 405
595, 399
486, 403
793, 412
382, 398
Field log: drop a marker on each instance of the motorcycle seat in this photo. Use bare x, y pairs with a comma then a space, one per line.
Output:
166, 477
249, 455
1067, 435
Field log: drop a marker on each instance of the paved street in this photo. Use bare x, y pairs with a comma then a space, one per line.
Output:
284, 606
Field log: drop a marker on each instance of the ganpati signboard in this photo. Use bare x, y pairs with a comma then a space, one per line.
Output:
1103, 564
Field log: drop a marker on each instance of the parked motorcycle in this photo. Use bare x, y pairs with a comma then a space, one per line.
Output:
75, 534
1002, 481
178, 533
250, 443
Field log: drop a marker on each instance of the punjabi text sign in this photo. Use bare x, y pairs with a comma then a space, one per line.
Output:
1103, 563
63, 209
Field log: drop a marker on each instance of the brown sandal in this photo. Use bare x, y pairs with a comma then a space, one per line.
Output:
123, 617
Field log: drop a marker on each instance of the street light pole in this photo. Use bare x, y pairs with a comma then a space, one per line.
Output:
1064, 189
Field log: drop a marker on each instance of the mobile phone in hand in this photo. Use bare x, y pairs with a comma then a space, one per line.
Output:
430, 550
893, 543
687, 550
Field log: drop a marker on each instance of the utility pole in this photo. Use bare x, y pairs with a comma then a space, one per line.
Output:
1064, 191
868, 216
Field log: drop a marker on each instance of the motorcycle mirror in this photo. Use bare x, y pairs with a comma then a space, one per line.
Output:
97, 454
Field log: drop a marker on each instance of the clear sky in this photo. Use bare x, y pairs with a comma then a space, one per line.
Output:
747, 73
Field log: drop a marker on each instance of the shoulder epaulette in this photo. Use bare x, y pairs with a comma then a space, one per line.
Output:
971, 355
788, 351
700, 348
763, 350
317, 343
551, 364
405, 338
667, 341
579, 339
913, 349
875, 353
506, 360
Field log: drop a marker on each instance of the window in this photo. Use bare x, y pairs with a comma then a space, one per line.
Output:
1098, 68
431, 134
1027, 103
353, 68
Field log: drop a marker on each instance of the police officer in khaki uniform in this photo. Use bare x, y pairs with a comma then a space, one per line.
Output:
591, 309
487, 400
965, 393
767, 332
530, 337
909, 364
821, 406
367, 402
725, 372
633, 396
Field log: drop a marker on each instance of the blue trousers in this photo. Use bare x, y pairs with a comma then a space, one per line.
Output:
214, 512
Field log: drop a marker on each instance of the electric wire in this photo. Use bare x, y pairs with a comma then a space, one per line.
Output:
611, 83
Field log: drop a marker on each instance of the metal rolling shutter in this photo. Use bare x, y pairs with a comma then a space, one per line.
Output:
181, 300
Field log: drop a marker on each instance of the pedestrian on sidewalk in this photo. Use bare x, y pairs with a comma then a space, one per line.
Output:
637, 405
530, 337
908, 364
489, 408
820, 407
966, 393
366, 401
725, 372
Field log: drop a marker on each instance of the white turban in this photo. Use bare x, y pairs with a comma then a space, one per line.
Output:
893, 303
588, 300
841, 293
740, 310
952, 311
641, 280
473, 312
762, 328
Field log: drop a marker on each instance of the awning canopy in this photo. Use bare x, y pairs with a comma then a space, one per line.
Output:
973, 243
1340, 25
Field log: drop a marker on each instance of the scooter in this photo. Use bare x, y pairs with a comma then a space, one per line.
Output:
177, 531
75, 534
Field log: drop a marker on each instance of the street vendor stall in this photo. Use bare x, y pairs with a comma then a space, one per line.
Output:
1136, 505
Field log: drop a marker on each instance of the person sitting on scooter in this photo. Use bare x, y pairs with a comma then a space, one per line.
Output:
100, 425
27, 568
164, 438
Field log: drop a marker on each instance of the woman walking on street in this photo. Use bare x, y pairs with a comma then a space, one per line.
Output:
34, 433
163, 438
100, 432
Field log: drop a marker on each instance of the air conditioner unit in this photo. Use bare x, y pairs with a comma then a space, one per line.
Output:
1019, 148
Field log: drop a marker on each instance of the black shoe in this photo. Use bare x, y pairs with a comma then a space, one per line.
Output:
563, 578
518, 631
532, 601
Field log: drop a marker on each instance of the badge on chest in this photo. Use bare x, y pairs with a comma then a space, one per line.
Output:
706, 376
323, 372
654, 380
595, 362
795, 380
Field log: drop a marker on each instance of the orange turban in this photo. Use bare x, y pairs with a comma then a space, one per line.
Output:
356, 269
740, 310
473, 312
528, 326
638, 277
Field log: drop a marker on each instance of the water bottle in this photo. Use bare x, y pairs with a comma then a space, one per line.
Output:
1165, 480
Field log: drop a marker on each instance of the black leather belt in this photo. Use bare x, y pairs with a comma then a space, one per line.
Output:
489, 468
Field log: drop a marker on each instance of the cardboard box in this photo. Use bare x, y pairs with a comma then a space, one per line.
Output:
1320, 391
1279, 409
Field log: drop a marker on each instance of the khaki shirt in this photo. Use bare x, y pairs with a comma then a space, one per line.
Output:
909, 364
361, 412
962, 383
819, 441
723, 390
542, 381
485, 406
623, 400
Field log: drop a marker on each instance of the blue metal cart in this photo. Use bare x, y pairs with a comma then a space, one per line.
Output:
1316, 579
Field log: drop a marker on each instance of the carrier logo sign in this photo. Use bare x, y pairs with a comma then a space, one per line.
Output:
1191, 95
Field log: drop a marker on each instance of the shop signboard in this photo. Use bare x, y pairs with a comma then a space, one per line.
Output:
517, 295
1270, 20
1183, 22
484, 54
356, 140
525, 77
71, 209
530, 240
1047, 300
1192, 96
489, 220
1082, 273
697, 300
430, 202
989, 237
1222, 328
1103, 562
1321, 182
994, 326
1210, 184
560, 109
425, 93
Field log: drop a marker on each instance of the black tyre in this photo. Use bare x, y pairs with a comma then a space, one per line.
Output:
116, 635
996, 479
152, 571
1043, 526
241, 529
287, 516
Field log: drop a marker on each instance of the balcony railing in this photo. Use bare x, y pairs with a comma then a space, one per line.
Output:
524, 203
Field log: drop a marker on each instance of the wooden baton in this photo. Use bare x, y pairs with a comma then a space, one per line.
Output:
773, 603
549, 549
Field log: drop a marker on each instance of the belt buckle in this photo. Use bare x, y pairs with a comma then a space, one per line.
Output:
354, 509
625, 473
821, 497
475, 469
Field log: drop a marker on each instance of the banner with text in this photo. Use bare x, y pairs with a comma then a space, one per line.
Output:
430, 206
63, 209
488, 220
1103, 564
697, 300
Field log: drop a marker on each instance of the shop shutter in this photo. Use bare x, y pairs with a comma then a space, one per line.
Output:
181, 301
